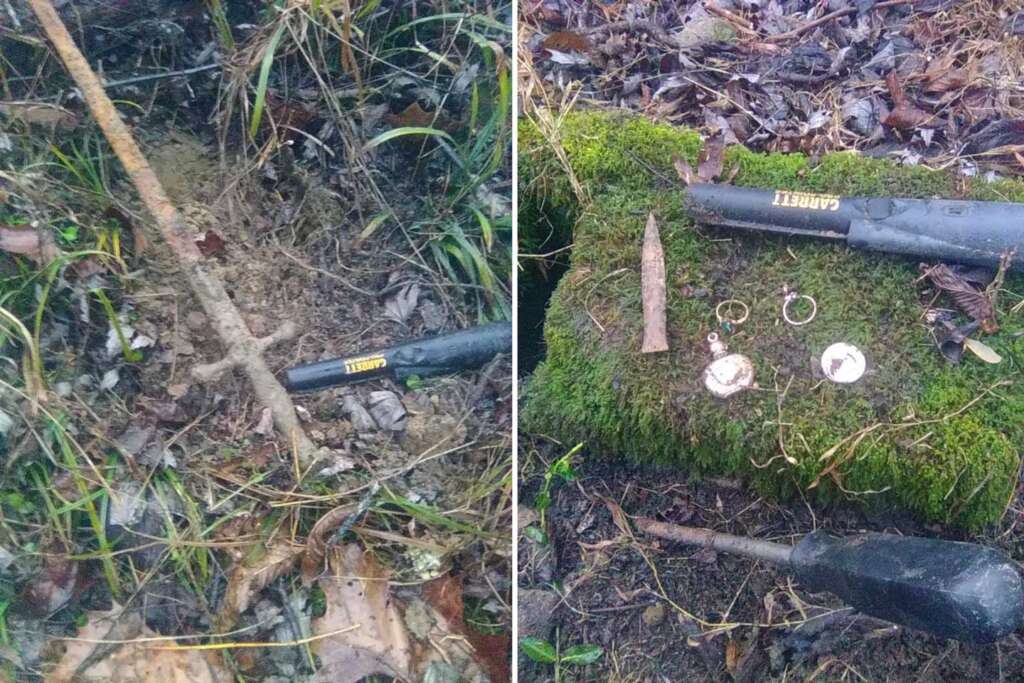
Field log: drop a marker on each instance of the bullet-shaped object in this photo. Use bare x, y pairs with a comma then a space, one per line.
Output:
652, 287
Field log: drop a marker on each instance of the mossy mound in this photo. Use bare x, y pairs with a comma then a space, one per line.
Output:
942, 441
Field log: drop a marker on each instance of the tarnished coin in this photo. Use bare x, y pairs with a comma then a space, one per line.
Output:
843, 363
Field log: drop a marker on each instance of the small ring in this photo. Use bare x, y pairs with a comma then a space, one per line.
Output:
790, 298
730, 302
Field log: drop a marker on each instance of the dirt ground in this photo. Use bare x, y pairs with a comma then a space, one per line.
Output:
199, 517
640, 598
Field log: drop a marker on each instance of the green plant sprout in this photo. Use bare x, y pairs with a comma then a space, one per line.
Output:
543, 652
559, 469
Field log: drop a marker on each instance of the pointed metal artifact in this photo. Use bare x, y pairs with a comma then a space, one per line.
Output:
652, 286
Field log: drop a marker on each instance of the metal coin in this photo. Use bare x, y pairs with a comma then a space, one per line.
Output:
843, 363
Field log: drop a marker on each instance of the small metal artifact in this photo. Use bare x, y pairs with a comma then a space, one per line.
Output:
791, 296
724, 315
728, 373
843, 363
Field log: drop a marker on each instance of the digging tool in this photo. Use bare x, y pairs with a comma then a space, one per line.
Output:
974, 232
424, 357
954, 590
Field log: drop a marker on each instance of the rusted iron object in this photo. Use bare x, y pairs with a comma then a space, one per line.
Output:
652, 288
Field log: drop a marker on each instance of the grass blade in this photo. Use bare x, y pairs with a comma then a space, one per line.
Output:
261, 87
406, 130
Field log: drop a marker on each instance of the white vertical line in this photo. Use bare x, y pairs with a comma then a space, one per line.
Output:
515, 337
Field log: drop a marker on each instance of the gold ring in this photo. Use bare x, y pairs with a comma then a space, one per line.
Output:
730, 303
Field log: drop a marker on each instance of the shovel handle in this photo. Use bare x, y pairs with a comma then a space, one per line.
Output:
726, 543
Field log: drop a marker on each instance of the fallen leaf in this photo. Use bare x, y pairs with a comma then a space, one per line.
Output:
39, 113
369, 634
387, 410
566, 41
711, 159
316, 544
53, 587
444, 594
210, 244
35, 244
684, 170
265, 426
400, 306
362, 421
969, 299
999, 133
941, 76
87, 659
414, 116
732, 655
136, 437
904, 114
110, 379
252, 575
982, 351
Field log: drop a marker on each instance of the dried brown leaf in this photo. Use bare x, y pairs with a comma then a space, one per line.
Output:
211, 244
316, 545
250, 577
444, 594
53, 587
684, 170
566, 41
39, 113
732, 655
87, 660
711, 159
941, 75
904, 114
35, 244
415, 116
968, 298
370, 636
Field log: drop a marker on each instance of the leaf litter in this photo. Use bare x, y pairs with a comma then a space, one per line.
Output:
920, 82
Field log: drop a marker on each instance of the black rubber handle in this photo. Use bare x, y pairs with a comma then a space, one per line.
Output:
974, 232
440, 355
954, 590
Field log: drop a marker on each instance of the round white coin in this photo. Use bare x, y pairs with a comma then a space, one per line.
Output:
843, 363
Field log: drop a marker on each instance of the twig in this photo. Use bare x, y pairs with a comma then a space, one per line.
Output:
829, 17
166, 74
243, 349
13, 15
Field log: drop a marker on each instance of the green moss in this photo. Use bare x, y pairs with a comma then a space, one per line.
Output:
917, 433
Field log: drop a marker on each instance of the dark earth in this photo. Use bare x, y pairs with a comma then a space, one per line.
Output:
602, 586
